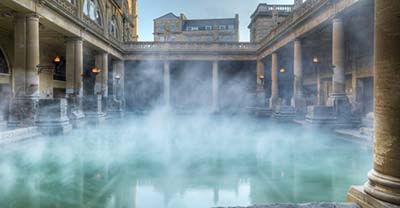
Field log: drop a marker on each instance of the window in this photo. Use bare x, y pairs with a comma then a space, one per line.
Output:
222, 27
193, 28
208, 27
161, 28
92, 10
3, 63
162, 39
231, 27
113, 27
172, 28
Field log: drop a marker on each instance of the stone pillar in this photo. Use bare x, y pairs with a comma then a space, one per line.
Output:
19, 54
338, 62
215, 87
298, 100
260, 73
101, 85
167, 84
23, 108
74, 67
274, 100
384, 179
118, 84
32, 56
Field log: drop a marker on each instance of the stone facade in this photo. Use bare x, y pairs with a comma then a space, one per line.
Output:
172, 28
265, 18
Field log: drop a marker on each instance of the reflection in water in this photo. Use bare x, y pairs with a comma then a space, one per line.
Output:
180, 161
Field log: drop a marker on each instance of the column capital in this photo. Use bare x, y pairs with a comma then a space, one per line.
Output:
73, 39
337, 19
32, 17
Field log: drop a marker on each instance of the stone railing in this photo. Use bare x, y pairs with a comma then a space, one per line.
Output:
64, 5
306, 8
189, 46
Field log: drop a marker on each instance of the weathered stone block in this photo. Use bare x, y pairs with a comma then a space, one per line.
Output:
52, 116
284, 113
23, 112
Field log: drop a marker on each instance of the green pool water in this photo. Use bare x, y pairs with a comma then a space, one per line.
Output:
163, 160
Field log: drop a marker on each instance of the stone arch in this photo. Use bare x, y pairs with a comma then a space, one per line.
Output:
98, 10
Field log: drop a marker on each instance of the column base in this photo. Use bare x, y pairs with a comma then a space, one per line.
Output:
93, 108
23, 112
284, 113
299, 103
326, 116
273, 102
52, 117
115, 108
75, 113
357, 195
260, 99
383, 187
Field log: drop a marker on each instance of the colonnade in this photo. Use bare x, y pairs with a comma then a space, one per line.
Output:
214, 89
338, 66
27, 69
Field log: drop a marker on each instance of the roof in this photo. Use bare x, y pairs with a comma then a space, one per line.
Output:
204, 22
168, 16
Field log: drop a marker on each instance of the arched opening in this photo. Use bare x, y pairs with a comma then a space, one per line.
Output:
91, 8
113, 29
3, 63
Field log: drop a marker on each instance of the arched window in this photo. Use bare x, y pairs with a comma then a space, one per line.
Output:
113, 27
3, 64
91, 9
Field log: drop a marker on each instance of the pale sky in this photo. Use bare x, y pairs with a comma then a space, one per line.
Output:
198, 9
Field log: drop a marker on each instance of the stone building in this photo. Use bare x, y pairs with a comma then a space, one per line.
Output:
170, 28
265, 18
63, 58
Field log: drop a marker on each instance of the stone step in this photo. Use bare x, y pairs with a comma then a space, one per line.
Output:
305, 205
14, 135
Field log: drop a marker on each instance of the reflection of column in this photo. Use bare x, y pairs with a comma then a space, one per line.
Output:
74, 67
215, 87
274, 100
167, 86
338, 62
32, 55
298, 97
101, 85
384, 179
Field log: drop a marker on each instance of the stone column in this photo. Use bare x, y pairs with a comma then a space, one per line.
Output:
19, 54
298, 100
74, 67
118, 85
32, 56
167, 84
274, 100
338, 62
215, 87
101, 85
23, 108
260, 73
384, 179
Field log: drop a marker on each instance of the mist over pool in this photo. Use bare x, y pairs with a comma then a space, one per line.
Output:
166, 160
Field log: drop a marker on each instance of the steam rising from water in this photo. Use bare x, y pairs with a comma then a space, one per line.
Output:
166, 160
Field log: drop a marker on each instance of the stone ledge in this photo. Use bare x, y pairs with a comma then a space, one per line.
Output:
305, 205
357, 195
